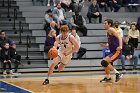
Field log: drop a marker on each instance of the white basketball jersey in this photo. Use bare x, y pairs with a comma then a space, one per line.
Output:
65, 45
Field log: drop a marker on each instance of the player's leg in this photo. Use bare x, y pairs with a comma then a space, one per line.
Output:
54, 63
106, 64
61, 67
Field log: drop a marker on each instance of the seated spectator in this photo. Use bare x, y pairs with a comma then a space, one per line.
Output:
82, 50
77, 5
79, 22
66, 4
133, 35
50, 39
93, 11
103, 4
128, 53
53, 26
118, 29
6, 58
3, 39
132, 5
138, 23
114, 5
59, 12
15, 56
49, 17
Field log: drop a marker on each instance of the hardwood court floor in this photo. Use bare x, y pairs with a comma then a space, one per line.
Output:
77, 82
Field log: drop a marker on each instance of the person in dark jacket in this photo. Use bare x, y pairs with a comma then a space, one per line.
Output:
128, 53
103, 4
3, 39
16, 57
6, 58
93, 11
79, 23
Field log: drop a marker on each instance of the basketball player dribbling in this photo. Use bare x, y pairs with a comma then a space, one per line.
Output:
67, 46
115, 46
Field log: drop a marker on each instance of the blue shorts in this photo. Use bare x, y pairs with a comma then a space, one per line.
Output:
115, 55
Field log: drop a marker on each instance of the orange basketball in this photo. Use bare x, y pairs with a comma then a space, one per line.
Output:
53, 53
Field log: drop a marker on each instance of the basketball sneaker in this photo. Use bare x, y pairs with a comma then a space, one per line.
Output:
46, 82
118, 76
106, 80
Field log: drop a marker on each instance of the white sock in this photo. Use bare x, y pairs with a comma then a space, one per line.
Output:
115, 71
108, 76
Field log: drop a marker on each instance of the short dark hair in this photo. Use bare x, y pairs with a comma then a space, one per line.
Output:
110, 21
49, 11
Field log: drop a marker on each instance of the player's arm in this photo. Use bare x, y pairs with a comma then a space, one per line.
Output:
114, 32
75, 45
56, 42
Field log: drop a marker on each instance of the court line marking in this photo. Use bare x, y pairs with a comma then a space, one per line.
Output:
17, 86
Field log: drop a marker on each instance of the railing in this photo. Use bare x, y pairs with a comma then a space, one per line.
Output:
28, 42
20, 31
9, 5
15, 17
3, 3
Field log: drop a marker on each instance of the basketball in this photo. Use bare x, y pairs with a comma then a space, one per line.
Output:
53, 53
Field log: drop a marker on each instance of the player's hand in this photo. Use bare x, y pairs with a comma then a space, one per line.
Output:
4, 61
119, 48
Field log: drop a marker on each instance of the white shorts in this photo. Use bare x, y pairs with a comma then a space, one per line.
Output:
64, 59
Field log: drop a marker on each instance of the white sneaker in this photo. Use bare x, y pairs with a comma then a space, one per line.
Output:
70, 11
4, 72
11, 72
48, 4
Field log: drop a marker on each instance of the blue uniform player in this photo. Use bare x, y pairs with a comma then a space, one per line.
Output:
115, 47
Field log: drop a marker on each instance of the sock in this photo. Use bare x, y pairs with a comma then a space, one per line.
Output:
108, 76
115, 71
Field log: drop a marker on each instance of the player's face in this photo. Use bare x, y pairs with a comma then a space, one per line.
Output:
106, 25
64, 34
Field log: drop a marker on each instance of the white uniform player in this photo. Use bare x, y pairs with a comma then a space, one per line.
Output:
67, 46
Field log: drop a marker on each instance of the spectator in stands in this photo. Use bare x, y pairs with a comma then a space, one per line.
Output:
82, 50
49, 17
6, 58
66, 4
128, 53
138, 23
53, 26
114, 5
60, 14
118, 29
132, 5
103, 4
3, 39
133, 35
79, 22
93, 11
16, 58
77, 5
50, 39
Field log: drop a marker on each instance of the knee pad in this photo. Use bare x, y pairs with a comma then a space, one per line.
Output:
104, 63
